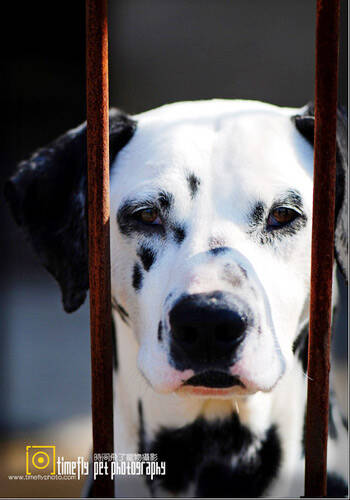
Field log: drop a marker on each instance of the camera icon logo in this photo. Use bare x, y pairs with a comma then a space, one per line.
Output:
40, 459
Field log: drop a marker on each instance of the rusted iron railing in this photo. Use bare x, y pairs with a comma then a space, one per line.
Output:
98, 215
327, 41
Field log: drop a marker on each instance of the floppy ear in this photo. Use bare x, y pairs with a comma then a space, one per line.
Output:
47, 196
305, 124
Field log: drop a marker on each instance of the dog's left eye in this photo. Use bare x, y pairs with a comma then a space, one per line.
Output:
280, 216
148, 216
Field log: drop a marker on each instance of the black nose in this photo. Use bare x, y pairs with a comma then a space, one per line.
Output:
206, 330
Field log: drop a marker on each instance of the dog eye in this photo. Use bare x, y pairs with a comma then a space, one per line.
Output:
148, 216
280, 216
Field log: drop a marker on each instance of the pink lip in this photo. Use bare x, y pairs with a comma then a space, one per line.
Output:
209, 391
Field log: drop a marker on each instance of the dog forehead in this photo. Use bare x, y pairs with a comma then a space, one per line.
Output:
252, 143
261, 155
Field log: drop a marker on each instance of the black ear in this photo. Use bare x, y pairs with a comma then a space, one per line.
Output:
305, 124
47, 196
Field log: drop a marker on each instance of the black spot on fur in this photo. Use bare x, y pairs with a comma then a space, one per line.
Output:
160, 331
193, 183
336, 486
115, 348
137, 277
300, 346
246, 479
202, 452
179, 233
147, 256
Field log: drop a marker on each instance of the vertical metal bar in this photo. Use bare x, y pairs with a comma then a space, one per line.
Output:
99, 252
327, 39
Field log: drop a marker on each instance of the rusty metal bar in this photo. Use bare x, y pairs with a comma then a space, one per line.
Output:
98, 215
327, 40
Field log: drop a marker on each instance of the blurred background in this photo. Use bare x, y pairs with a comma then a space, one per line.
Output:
160, 51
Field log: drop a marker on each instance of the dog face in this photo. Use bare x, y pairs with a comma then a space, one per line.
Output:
210, 237
210, 244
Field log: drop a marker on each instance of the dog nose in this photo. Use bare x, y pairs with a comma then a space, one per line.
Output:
206, 330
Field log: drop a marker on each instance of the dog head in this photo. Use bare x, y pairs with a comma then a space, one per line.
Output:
211, 207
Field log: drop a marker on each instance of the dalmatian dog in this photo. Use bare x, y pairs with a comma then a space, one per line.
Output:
211, 209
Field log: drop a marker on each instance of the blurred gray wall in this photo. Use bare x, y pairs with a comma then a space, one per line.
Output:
171, 50
160, 51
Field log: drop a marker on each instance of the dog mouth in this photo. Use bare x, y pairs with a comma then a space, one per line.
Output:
214, 379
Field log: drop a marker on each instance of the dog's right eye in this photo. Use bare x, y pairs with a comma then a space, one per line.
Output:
148, 216
280, 216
